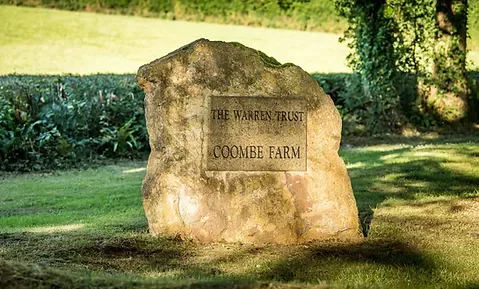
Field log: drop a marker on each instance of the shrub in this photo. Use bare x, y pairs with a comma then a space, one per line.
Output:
346, 92
49, 122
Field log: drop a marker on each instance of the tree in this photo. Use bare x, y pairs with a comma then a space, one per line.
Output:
394, 39
371, 35
447, 93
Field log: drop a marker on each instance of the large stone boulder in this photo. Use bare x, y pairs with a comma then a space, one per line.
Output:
243, 149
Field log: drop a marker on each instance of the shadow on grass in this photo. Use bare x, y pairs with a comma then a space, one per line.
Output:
151, 262
168, 260
335, 262
408, 173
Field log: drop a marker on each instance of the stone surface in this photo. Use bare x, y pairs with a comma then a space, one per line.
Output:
288, 200
256, 134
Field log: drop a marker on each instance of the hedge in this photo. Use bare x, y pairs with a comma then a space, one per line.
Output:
300, 14
54, 122
50, 122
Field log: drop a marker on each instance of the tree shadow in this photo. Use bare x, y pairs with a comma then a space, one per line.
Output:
404, 173
329, 260
184, 261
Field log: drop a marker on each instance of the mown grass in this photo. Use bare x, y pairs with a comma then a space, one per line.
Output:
418, 203
43, 41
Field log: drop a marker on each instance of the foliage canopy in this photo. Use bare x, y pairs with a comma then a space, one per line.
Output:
399, 40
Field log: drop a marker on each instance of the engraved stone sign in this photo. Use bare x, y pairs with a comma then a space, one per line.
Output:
257, 134
243, 149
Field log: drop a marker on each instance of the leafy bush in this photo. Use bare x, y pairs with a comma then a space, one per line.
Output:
474, 87
346, 92
51, 122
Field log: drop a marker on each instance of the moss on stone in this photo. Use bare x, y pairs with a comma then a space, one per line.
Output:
288, 64
268, 60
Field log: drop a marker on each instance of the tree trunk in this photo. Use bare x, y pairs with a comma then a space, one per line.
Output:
448, 93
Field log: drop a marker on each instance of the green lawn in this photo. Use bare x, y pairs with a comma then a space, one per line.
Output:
43, 41
418, 202
39, 41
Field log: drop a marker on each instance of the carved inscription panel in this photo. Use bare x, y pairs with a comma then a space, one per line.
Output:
257, 134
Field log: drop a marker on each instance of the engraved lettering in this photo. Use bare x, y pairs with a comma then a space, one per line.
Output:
286, 152
225, 152
295, 152
234, 152
214, 151
301, 113
249, 133
266, 115
240, 115
252, 152
289, 115
278, 154
220, 114
243, 154
237, 114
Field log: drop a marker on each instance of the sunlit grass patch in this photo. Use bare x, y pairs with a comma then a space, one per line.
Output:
90, 198
55, 229
44, 41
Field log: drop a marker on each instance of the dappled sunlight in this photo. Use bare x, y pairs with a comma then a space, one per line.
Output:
423, 154
381, 148
389, 190
446, 157
171, 273
441, 208
391, 157
418, 185
55, 229
136, 170
428, 207
466, 167
409, 173
446, 226
237, 259
357, 165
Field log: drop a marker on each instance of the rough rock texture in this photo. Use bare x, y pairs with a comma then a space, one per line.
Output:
181, 198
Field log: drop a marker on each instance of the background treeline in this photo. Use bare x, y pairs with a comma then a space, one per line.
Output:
52, 122
314, 15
